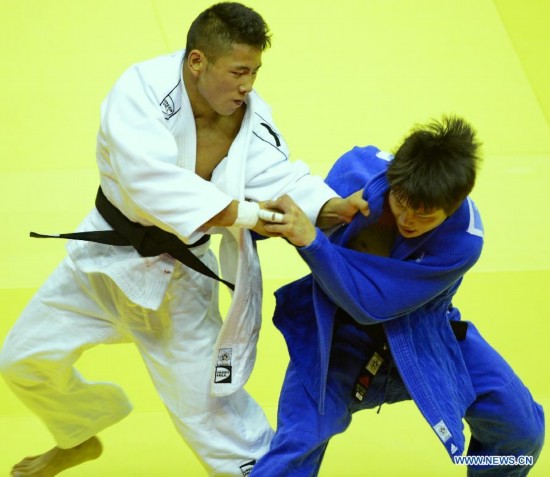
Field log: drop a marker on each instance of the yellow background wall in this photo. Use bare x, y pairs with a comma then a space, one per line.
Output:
351, 72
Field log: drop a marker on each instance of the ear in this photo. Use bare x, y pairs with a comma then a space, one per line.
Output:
196, 62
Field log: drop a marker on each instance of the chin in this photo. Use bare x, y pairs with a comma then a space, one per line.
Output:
227, 111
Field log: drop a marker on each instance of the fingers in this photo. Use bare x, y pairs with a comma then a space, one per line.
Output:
270, 204
356, 200
274, 210
364, 208
283, 203
271, 216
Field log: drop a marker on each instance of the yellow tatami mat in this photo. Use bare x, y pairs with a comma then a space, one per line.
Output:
339, 74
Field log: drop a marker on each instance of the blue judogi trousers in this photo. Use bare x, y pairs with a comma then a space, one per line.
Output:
504, 419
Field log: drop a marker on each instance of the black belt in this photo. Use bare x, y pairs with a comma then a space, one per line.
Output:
376, 331
381, 352
378, 335
149, 241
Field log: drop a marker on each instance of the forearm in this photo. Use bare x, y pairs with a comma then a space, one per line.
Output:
225, 218
328, 215
339, 210
245, 214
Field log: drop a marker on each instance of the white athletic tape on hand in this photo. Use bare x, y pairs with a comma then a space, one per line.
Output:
247, 214
270, 216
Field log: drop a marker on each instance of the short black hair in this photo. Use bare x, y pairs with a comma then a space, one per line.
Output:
218, 28
435, 167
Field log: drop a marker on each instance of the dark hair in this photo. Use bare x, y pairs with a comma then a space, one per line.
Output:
435, 166
223, 25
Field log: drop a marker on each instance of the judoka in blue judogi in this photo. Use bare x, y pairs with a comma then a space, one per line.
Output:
379, 327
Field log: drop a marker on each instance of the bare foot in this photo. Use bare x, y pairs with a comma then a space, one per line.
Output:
57, 460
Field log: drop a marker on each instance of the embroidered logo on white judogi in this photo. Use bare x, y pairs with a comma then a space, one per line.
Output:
224, 356
246, 468
223, 366
171, 103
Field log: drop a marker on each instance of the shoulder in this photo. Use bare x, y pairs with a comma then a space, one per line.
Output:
266, 136
155, 74
154, 69
461, 235
466, 219
156, 81
355, 168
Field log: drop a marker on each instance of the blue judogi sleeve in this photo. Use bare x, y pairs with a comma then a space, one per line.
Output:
372, 288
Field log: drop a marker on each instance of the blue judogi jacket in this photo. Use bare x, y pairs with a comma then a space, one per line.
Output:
410, 292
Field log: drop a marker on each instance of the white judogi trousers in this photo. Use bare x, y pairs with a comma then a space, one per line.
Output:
74, 311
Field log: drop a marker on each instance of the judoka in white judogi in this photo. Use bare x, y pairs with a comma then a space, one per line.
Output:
100, 294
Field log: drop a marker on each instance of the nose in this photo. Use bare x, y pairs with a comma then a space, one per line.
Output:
246, 86
406, 219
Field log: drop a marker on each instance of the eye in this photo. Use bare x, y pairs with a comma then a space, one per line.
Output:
399, 205
425, 218
237, 74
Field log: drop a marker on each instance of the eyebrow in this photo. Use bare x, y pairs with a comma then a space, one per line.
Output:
405, 205
243, 67
426, 213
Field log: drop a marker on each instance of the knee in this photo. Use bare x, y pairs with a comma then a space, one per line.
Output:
527, 427
9, 364
296, 450
18, 368
521, 434
533, 432
7, 360
507, 421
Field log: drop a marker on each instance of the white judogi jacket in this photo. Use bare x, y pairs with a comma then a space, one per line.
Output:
146, 153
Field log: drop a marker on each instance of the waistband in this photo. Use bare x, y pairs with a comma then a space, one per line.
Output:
148, 241
377, 333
